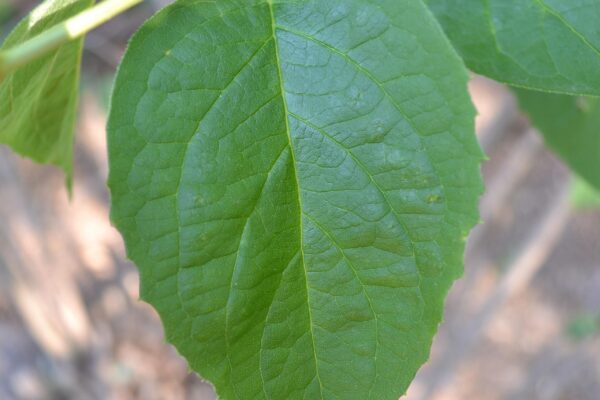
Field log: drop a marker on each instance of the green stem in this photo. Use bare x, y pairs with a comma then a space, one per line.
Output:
73, 28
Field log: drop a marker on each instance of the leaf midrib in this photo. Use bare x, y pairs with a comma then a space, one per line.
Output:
289, 114
300, 214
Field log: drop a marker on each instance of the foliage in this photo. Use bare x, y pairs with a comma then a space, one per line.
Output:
547, 45
571, 127
269, 160
584, 326
6, 11
295, 178
38, 101
584, 195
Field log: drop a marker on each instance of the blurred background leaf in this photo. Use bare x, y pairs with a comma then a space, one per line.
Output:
584, 195
571, 127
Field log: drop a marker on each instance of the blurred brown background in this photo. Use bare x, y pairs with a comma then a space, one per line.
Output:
524, 323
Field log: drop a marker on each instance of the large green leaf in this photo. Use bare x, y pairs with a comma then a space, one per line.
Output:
38, 101
295, 181
570, 125
548, 45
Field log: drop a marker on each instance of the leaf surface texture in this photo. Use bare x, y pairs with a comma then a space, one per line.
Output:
295, 180
547, 45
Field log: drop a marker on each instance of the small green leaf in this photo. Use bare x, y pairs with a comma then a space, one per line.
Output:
548, 45
571, 127
584, 326
584, 195
38, 102
295, 180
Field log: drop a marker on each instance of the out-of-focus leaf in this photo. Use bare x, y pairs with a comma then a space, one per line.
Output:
571, 127
548, 45
584, 195
38, 101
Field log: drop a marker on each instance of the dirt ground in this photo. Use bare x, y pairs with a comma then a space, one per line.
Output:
524, 322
